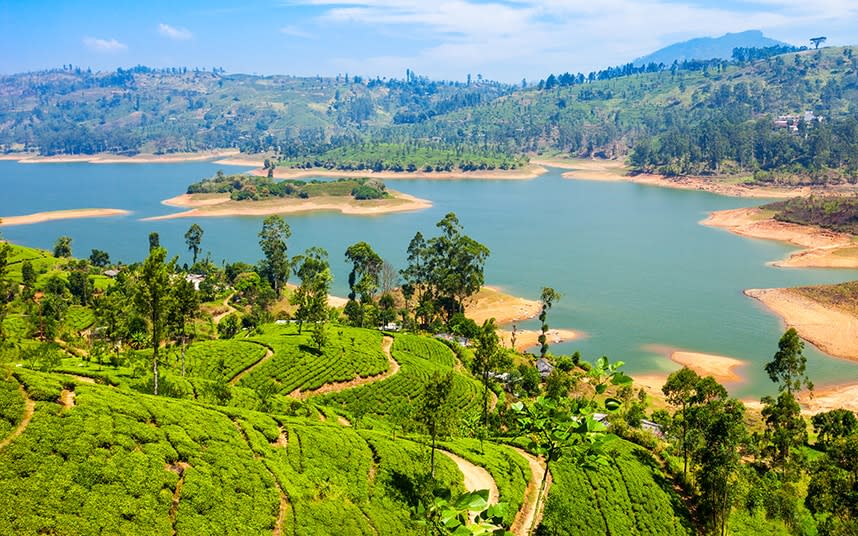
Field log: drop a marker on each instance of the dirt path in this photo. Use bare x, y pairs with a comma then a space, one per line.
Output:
527, 517
229, 309
67, 398
335, 387
269, 353
29, 409
476, 478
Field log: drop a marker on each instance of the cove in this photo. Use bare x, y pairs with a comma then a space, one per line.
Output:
634, 266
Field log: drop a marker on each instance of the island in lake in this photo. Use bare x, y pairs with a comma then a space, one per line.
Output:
249, 195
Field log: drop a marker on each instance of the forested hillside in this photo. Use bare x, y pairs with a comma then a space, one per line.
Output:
777, 118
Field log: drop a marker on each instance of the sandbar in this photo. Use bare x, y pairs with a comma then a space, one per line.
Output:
528, 338
527, 172
590, 169
833, 331
724, 369
220, 205
108, 158
824, 248
492, 302
71, 214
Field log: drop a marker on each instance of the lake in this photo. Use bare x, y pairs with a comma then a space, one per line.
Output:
635, 268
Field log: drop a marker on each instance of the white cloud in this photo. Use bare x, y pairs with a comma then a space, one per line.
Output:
533, 37
294, 31
177, 34
104, 45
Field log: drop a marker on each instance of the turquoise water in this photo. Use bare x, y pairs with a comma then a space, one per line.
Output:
634, 266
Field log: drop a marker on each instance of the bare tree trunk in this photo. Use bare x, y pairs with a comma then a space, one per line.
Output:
155, 370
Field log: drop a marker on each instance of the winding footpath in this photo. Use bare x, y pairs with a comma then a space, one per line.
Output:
269, 353
335, 387
476, 477
29, 409
527, 517
229, 309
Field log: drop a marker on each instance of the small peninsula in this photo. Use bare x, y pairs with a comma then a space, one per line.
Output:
249, 195
40, 217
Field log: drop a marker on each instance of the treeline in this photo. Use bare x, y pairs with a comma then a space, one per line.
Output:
836, 213
407, 157
818, 152
252, 188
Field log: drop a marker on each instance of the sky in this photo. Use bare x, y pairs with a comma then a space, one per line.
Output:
504, 40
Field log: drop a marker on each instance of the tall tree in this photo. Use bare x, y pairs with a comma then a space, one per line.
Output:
786, 432
548, 297
788, 368
363, 280
455, 265
488, 355
435, 411
62, 247
154, 241
6, 289
193, 238
184, 307
311, 296
272, 239
152, 299
679, 390
723, 431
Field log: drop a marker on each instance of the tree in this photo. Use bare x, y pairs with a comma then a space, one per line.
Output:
723, 431
154, 241
833, 425
455, 264
786, 432
363, 279
488, 355
818, 41
99, 258
272, 239
62, 247
193, 238
679, 391
548, 297
311, 296
389, 278
435, 411
152, 299
789, 364
80, 284
6, 289
228, 327
184, 307
833, 488
366, 268
415, 274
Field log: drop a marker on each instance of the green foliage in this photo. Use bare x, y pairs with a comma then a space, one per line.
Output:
252, 188
629, 496
11, 406
788, 366
218, 360
297, 363
835, 213
398, 395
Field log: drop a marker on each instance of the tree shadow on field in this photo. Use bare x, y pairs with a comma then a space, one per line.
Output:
310, 350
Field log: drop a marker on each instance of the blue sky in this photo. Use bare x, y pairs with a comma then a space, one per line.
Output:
500, 39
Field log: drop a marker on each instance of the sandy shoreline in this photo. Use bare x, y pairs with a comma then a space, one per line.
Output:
723, 368
493, 302
529, 338
616, 171
528, 172
173, 158
220, 205
823, 248
52, 215
832, 331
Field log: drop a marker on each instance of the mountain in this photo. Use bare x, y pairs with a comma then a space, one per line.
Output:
705, 48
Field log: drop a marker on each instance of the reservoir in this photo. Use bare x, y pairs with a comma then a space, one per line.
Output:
638, 274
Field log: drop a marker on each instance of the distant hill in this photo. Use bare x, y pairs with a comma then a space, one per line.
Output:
705, 48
